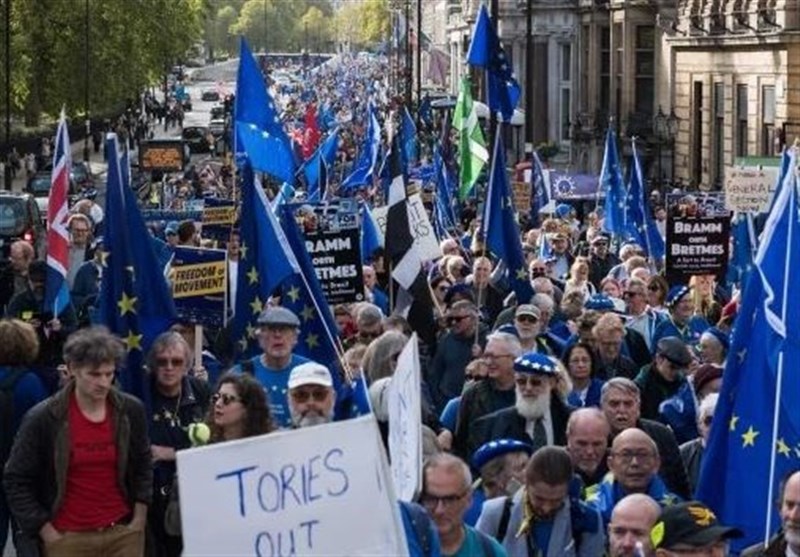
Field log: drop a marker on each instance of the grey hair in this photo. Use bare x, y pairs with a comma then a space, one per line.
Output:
543, 301
449, 462
707, 406
620, 384
510, 340
167, 340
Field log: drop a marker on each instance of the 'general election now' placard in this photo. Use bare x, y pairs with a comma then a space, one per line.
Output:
321, 490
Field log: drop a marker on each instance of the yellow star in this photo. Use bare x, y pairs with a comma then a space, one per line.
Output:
242, 344
126, 304
307, 313
256, 305
252, 275
312, 340
133, 341
522, 274
784, 449
294, 293
243, 251
251, 331
103, 257
733, 422
749, 437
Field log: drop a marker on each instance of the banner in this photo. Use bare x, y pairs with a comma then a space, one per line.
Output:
405, 423
317, 491
749, 190
698, 236
161, 154
421, 227
219, 218
199, 285
334, 244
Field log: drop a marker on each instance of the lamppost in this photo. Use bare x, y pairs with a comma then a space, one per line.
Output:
7, 177
86, 84
665, 129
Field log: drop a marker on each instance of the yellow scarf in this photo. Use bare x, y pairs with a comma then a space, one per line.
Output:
527, 515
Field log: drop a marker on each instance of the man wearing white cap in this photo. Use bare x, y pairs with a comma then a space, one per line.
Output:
311, 396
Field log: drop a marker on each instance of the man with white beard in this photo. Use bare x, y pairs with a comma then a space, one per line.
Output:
539, 416
311, 395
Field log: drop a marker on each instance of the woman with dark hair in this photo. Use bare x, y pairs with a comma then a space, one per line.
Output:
586, 388
657, 288
239, 409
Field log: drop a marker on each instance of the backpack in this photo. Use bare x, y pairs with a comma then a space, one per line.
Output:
7, 385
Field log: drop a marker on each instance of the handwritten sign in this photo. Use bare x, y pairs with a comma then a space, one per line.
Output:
421, 228
199, 284
750, 190
521, 191
165, 155
321, 490
405, 423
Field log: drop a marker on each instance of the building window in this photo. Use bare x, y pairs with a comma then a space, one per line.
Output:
767, 120
566, 62
565, 85
645, 70
605, 75
619, 57
697, 133
719, 134
566, 100
585, 57
741, 120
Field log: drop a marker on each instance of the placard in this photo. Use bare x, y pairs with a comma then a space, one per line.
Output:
161, 154
421, 228
698, 236
521, 191
199, 285
336, 256
405, 422
317, 491
750, 190
219, 219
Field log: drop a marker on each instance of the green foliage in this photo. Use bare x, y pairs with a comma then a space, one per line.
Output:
279, 25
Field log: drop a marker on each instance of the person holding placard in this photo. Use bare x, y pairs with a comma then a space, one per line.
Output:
311, 395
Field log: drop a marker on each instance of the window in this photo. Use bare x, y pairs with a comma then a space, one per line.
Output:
767, 119
645, 70
718, 134
741, 120
618, 69
566, 99
697, 133
605, 72
565, 86
566, 62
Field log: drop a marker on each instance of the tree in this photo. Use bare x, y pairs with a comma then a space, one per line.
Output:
374, 21
314, 24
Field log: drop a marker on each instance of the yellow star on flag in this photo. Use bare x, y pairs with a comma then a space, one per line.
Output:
103, 257
308, 313
133, 341
126, 304
733, 422
312, 340
252, 275
522, 274
251, 331
294, 293
783, 448
749, 437
256, 305
243, 251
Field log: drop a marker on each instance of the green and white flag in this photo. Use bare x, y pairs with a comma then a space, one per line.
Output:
472, 153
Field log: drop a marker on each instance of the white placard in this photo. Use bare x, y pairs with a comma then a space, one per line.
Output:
405, 422
421, 227
750, 189
321, 490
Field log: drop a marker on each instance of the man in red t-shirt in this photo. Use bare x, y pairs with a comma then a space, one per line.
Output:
79, 477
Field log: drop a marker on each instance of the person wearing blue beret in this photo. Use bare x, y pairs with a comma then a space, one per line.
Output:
682, 322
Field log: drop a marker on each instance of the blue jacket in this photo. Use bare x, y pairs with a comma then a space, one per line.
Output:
592, 395
28, 391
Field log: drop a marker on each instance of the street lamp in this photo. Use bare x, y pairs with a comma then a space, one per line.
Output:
8, 170
665, 129
86, 85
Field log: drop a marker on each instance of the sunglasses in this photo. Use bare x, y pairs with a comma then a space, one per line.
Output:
630, 294
319, 395
171, 362
533, 381
225, 398
527, 318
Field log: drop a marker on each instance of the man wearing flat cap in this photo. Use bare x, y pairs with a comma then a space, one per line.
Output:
277, 333
601, 261
539, 415
664, 377
691, 529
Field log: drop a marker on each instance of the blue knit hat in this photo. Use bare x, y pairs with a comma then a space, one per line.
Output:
599, 302
499, 447
675, 294
533, 362
721, 336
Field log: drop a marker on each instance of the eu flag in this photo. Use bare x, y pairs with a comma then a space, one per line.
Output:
259, 130
755, 434
641, 228
485, 50
540, 197
500, 226
445, 219
371, 237
326, 153
409, 135
135, 301
266, 260
368, 155
743, 247
611, 183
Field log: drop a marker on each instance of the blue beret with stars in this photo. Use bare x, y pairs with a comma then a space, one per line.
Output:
599, 302
499, 447
533, 362
675, 294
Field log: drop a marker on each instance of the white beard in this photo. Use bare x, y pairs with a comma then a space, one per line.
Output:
310, 418
533, 409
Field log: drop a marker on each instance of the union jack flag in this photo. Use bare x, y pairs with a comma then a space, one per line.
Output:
56, 288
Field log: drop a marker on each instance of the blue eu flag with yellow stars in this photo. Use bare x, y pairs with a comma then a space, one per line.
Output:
500, 225
639, 222
135, 301
755, 433
612, 184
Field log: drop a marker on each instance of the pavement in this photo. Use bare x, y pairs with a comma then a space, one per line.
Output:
96, 164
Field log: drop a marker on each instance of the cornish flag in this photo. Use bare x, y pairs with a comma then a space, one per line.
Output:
56, 288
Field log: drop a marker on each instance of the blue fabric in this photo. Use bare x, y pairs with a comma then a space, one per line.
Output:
610, 493
542, 530
380, 299
592, 395
612, 185
639, 222
275, 382
690, 334
474, 510
450, 414
421, 534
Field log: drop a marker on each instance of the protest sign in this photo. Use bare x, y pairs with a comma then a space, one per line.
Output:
219, 218
421, 228
698, 235
161, 154
750, 190
521, 191
405, 423
321, 490
199, 285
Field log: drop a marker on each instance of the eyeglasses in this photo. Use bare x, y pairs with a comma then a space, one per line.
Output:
495, 357
456, 319
430, 502
600, 244
319, 395
172, 362
630, 294
532, 380
626, 457
225, 398
526, 318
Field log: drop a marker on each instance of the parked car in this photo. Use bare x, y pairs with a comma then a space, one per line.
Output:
39, 187
217, 127
210, 95
20, 219
217, 112
196, 138
80, 176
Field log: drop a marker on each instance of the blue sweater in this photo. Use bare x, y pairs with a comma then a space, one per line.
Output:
28, 391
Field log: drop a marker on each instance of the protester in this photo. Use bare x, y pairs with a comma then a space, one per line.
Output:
691, 529
787, 541
692, 451
587, 443
14, 275
629, 530
664, 378
311, 396
79, 477
586, 388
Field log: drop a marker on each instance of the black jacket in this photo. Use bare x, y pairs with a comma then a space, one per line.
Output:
36, 472
776, 548
477, 401
672, 470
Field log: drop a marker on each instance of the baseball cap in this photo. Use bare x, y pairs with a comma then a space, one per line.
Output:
692, 524
528, 309
310, 373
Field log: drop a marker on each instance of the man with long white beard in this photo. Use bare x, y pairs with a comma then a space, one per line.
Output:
311, 395
539, 416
